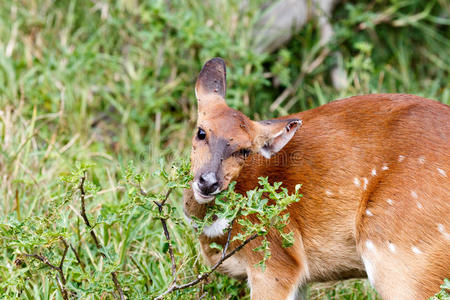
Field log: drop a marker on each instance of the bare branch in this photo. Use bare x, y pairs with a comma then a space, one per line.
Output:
117, 284
203, 276
172, 257
77, 257
166, 197
94, 236
83, 210
60, 278
66, 248
148, 280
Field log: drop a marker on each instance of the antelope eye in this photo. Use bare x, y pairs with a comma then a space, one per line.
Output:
245, 152
201, 134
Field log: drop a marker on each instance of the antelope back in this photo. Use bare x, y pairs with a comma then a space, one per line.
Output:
375, 181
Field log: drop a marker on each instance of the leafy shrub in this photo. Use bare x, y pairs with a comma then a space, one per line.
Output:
108, 82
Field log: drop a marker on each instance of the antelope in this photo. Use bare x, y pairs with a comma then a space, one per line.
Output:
375, 181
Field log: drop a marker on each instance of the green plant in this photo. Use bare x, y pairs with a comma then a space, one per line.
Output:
444, 293
108, 82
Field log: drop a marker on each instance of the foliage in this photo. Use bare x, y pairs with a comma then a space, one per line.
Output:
108, 82
230, 205
444, 293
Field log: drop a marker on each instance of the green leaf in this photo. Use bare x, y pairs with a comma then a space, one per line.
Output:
165, 247
288, 239
215, 246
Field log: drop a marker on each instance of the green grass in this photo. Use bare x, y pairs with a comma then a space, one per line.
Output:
108, 82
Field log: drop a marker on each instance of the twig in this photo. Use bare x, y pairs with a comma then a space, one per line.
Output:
147, 279
165, 198
203, 276
117, 284
164, 225
83, 211
77, 257
94, 236
166, 234
60, 278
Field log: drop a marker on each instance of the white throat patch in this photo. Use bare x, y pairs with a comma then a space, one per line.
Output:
217, 228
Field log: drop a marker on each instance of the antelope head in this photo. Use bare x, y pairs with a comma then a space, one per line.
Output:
225, 137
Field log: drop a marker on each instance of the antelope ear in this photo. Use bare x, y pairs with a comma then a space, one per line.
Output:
211, 82
276, 134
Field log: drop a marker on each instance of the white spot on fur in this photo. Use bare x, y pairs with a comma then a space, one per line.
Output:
370, 246
369, 213
356, 181
329, 193
217, 228
366, 181
421, 160
442, 172
374, 172
401, 158
391, 247
384, 167
441, 229
416, 250
370, 270
419, 205
390, 201
414, 194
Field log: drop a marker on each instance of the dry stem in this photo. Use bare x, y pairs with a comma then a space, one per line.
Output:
94, 236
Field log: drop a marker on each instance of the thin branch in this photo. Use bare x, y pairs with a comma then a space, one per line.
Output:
172, 257
66, 248
60, 278
62, 287
42, 259
147, 279
225, 248
166, 234
165, 198
164, 225
141, 190
83, 210
94, 236
77, 257
203, 276
117, 284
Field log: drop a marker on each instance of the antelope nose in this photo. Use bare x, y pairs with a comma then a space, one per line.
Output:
208, 183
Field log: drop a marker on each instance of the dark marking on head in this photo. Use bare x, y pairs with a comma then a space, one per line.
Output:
218, 149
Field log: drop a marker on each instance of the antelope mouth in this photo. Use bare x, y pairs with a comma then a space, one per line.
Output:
202, 198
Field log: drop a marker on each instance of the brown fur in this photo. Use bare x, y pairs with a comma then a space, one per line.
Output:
338, 146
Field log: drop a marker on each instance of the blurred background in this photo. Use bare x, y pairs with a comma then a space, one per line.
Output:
109, 82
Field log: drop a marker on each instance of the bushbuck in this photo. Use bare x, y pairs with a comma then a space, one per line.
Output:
375, 181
